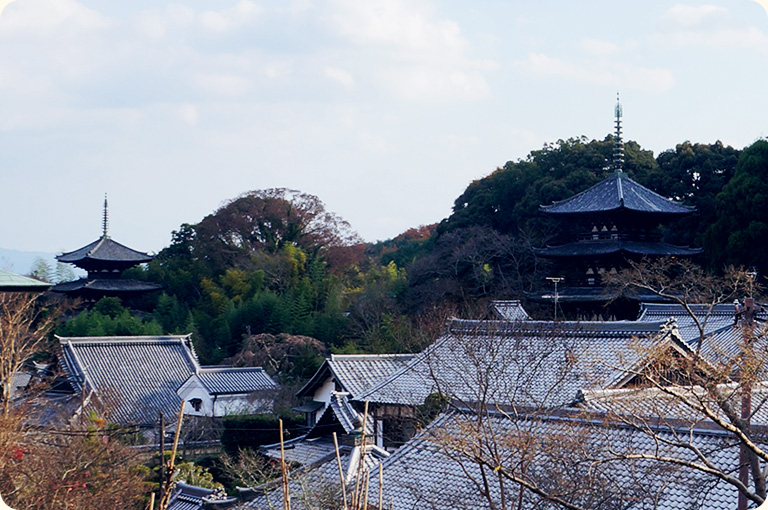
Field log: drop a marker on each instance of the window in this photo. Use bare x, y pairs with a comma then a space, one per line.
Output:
196, 404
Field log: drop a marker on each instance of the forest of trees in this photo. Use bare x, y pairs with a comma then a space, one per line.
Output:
276, 262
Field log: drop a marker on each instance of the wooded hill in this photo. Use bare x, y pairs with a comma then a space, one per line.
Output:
275, 261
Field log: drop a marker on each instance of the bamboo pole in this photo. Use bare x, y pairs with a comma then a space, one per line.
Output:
365, 486
381, 486
162, 456
176, 439
151, 501
341, 472
172, 463
284, 471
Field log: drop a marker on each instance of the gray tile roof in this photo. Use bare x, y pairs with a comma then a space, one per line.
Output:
355, 373
617, 191
137, 377
663, 406
712, 318
105, 285
529, 363
433, 472
229, 380
314, 486
190, 497
302, 451
615, 246
509, 310
104, 249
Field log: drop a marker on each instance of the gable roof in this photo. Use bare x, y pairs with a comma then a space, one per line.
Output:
231, 380
617, 192
136, 377
530, 363
355, 373
430, 472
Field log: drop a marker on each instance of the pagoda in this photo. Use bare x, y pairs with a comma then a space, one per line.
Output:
614, 221
104, 260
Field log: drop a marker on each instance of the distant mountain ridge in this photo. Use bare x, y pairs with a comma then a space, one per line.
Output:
20, 262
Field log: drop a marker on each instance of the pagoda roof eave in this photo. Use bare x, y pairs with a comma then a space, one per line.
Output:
97, 285
615, 246
105, 250
617, 192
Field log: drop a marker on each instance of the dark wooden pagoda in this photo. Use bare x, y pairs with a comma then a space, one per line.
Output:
614, 221
104, 260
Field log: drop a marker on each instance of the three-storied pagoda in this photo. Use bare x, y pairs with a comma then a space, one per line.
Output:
614, 221
104, 260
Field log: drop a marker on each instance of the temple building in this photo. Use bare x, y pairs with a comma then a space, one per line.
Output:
612, 222
104, 260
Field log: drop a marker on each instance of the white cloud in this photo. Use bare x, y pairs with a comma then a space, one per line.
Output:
599, 47
189, 114
224, 21
31, 17
417, 56
614, 74
394, 23
158, 24
223, 84
690, 15
737, 38
340, 76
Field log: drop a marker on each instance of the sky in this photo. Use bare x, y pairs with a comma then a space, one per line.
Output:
385, 109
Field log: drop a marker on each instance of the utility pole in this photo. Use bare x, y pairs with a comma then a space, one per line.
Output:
748, 316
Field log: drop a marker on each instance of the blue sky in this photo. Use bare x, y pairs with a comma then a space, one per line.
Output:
385, 109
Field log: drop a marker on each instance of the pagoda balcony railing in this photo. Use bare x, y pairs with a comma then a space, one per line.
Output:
621, 236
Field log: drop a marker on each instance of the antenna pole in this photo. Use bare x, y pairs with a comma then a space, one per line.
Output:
555, 280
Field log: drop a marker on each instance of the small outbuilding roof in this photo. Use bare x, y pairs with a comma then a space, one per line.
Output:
12, 282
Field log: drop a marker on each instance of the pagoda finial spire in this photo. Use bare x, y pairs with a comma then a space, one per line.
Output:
618, 146
105, 220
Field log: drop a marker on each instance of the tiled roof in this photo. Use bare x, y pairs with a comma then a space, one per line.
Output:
355, 372
509, 310
16, 282
529, 363
190, 497
315, 485
602, 247
101, 285
228, 380
617, 191
668, 406
136, 377
301, 450
431, 471
712, 317
105, 249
